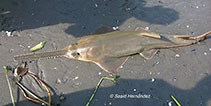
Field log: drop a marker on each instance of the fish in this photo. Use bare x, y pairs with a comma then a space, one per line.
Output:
110, 49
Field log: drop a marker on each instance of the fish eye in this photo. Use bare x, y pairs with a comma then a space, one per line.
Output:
75, 54
78, 53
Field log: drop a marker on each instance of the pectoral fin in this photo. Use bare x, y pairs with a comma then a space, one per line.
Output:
148, 54
111, 64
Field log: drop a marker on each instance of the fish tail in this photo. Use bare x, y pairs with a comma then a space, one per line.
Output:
198, 38
41, 55
202, 36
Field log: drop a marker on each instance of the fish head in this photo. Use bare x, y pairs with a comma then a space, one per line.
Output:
78, 53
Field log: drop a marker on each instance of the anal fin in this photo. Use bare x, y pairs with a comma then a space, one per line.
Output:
111, 64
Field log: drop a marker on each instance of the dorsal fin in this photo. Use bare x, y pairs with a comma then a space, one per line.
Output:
145, 32
149, 34
103, 29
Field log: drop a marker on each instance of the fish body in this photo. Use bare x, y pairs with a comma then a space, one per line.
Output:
111, 50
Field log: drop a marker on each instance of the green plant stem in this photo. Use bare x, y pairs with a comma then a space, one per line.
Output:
98, 85
10, 88
175, 100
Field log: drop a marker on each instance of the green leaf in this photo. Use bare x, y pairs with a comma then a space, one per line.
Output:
38, 46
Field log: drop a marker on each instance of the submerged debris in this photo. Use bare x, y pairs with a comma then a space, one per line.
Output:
115, 28
153, 80
96, 5
4, 13
58, 81
150, 73
170, 103
147, 28
174, 79
99, 73
75, 78
11, 50
177, 55
62, 97
187, 26
9, 34
158, 73
22, 46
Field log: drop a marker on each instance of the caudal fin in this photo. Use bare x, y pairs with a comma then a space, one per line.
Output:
198, 38
202, 36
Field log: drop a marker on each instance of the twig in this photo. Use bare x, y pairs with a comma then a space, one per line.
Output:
44, 85
20, 72
32, 94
